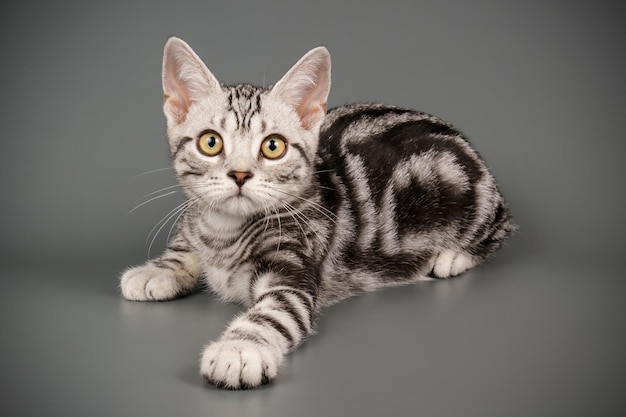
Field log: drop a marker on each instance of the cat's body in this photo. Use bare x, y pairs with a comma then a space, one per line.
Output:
291, 209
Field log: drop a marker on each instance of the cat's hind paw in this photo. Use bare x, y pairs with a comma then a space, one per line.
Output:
156, 283
450, 263
239, 364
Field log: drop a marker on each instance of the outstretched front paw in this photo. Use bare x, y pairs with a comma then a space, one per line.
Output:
239, 364
156, 283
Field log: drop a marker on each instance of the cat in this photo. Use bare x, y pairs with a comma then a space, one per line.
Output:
292, 208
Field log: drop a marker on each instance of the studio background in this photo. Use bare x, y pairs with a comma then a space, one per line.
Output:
537, 86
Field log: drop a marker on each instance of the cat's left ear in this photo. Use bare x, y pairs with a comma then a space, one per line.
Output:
306, 85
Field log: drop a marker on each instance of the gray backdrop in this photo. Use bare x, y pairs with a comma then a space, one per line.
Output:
538, 87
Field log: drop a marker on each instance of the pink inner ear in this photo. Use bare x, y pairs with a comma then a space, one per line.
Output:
176, 100
177, 109
306, 85
185, 79
312, 102
311, 114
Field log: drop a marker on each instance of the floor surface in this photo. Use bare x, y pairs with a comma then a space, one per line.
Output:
516, 337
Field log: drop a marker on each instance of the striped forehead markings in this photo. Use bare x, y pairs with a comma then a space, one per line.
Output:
244, 101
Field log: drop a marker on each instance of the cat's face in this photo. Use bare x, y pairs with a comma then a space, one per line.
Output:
243, 150
242, 160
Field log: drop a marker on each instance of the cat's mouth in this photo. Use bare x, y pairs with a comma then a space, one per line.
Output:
239, 202
240, 197
241, 193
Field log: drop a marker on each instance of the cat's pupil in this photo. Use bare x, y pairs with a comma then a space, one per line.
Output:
211, 141
272, 145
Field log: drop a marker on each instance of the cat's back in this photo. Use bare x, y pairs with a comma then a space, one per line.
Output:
386, 134
406, 187
387, 145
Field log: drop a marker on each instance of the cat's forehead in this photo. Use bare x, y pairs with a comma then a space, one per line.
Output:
241, 112
244, 98
243, 103
249, 109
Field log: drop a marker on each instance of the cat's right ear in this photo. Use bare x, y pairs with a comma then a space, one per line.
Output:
185, 80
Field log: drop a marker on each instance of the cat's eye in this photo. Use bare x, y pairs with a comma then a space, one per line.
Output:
210, 143
273, 147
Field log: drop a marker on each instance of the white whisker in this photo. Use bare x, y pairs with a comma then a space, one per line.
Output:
280, 232
162, 189
151, 172
152, 199
306, 221
326, 188
178, 218
323, 210
164, 217
267, 217
292, 213
161, 223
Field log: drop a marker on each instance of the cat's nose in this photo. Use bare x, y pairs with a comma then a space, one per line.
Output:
240, 177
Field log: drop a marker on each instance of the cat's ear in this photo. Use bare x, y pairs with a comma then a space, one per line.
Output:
306, 85
185, 79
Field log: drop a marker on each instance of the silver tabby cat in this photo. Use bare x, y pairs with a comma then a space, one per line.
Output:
292, 208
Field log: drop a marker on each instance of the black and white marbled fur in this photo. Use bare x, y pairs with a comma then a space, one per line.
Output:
366, 196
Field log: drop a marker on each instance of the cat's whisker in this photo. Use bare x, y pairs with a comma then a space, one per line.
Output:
175, 212
155, 198
178, 218
326, 188
321, 209
164, 219
201, 209
204, 208
151, 199
153, 171
307, 222
171, 214
267, 217
293, 214
161, 223
280, 232
161, 190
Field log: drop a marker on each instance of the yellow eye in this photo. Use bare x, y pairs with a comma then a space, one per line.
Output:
210, 143
273, 147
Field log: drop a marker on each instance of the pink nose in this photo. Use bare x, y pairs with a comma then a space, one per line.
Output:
240, 177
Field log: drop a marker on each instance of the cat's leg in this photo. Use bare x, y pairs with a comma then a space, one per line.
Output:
450, 263
251, 350
171, 275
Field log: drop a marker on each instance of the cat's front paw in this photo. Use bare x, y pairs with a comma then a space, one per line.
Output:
239, 364
153, 283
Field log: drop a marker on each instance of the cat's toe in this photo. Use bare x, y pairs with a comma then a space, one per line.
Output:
239, 364
149, 283
450, 263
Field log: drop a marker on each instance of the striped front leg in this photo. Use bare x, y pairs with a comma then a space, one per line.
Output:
252, 348
171, 275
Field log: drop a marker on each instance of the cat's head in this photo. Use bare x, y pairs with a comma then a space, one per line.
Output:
243, 150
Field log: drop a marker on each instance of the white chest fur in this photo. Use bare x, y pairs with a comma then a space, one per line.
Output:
230, 285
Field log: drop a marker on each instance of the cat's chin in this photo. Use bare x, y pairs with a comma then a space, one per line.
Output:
240, 206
